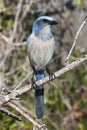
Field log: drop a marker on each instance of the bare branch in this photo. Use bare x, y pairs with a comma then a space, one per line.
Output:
75, 39
13, 94
21, 82
10, 114
19, 7
9, 42
35, 124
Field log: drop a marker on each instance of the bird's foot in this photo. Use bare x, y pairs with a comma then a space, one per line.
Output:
34, 85
51, 75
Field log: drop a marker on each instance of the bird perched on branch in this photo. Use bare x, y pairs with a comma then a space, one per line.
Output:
40, 49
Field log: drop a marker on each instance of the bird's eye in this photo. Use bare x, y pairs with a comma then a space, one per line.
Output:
45, 21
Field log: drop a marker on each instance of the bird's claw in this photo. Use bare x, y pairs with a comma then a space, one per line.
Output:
51, 76
34, 85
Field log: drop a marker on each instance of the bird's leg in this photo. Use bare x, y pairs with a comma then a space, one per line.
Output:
51, 74
34, 85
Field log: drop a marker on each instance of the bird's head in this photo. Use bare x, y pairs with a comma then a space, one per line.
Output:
42, 22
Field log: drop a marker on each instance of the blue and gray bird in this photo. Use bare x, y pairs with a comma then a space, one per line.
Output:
40, 49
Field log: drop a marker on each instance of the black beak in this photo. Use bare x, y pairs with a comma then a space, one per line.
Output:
53, 22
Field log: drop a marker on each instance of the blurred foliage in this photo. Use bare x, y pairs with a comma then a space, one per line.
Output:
65, 97
79, 2
1, 4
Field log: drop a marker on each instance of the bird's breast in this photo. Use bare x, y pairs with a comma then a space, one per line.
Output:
40, 52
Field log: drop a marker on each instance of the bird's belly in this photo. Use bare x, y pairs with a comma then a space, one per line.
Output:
41, 54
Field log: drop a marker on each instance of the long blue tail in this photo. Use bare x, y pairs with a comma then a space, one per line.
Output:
39, 96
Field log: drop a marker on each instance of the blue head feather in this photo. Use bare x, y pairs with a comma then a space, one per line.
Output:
41, 26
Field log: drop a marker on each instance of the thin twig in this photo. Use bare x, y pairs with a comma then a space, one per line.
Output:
75, 40
25, 109
13, 94
27, 8
19, 7
9, 42
26, 116
22, 81
8, 113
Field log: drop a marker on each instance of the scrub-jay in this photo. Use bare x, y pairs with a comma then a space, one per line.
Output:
40, 49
